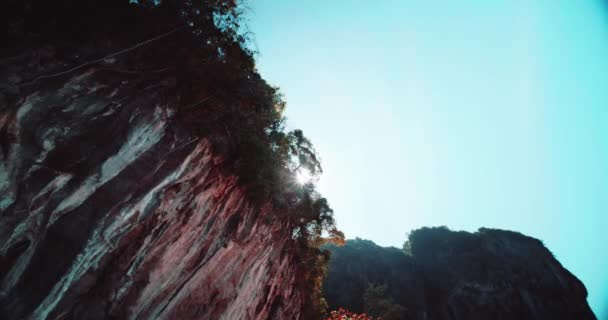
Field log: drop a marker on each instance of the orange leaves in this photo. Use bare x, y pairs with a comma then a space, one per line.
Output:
336, 237
342, 314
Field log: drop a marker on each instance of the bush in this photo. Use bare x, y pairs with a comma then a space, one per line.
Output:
342, 314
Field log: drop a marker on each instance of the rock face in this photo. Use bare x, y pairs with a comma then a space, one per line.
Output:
490, 274
109, 212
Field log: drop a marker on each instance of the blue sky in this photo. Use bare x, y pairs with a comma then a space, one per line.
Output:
459, 113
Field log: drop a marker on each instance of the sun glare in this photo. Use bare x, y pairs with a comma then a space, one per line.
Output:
303, 176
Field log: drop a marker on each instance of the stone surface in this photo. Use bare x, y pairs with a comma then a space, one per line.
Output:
490, 274
107, 211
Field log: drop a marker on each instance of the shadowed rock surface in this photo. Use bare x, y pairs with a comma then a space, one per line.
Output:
119, 198
490, 274
110, 207
108, 213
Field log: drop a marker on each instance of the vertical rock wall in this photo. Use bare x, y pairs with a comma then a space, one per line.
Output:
489, 274
108, 211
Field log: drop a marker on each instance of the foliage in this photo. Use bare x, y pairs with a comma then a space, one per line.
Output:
360, 263
206, 71
425, 241
243, 116
380, 304
247, 124
389, 282
407, 248
314, 262
342, 314
416, 281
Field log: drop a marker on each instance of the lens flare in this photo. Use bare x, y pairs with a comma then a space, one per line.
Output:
303, 176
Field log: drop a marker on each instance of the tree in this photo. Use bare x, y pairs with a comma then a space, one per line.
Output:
380, 304
196, 56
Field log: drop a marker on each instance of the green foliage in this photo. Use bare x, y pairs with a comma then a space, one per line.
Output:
360, 263
407, 248
313, 265
379, 303
243, 116
429, 244
204, 73
432, 265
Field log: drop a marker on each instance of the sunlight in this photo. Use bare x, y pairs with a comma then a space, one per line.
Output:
303, 176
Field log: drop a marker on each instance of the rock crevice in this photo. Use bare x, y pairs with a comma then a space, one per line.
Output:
110, 212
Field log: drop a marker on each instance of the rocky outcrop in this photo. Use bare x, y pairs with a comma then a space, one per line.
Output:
490, 274
110, 211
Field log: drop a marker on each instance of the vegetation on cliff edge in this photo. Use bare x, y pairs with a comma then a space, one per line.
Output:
441, 273
197, 58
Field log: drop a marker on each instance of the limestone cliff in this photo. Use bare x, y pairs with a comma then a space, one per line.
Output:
115, 203
107, 212
490, 274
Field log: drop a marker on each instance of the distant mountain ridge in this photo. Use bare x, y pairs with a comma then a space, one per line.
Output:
442, 274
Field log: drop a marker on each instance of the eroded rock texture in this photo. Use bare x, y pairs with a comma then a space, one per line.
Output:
107, 211
490, 274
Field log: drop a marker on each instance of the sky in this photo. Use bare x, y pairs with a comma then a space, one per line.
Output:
466, 114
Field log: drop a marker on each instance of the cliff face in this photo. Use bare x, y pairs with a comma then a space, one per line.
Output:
109, 212
490, 274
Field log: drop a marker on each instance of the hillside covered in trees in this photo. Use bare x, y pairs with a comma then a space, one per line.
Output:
442, 274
